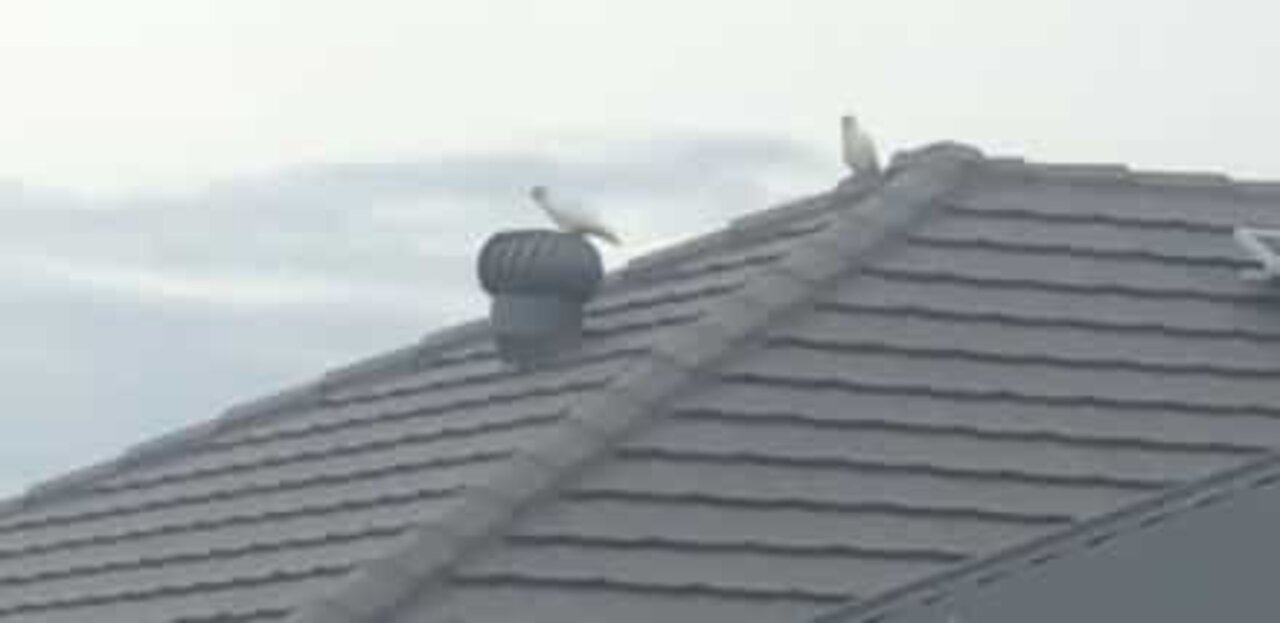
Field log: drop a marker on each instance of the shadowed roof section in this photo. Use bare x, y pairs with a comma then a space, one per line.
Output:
821, 406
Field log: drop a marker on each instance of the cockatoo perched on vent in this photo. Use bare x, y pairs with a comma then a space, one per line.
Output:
859, 149
572, 217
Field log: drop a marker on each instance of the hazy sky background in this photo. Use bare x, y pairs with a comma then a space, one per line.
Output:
201, 202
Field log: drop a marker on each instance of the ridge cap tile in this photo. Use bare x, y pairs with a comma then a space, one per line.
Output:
607, 414
1181, 180
1257, 189
371, 586
953, 151
782, 213
1083, 169
406, 358
674, 252
403, 359
1170, 179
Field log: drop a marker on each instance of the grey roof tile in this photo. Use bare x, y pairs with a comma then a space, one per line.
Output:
744, 572
829, 401
1075, 269
271, 595
1174, 244
447, 436
852, 326
1044, 304
713, 521
792, 216
842, 485
1082, 172
156, 574
442, 408
124, 513
1257, 189
53, 555
512, 602
998, 417
747, 237
982, 374
1181, 180
1121, 201
800, 442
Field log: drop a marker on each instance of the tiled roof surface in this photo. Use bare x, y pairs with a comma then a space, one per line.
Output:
820, 404
1047, 345
247, 517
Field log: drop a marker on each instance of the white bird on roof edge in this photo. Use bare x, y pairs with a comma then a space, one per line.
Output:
572, 217
858, 149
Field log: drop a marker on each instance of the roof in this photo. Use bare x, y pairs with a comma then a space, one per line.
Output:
821, 410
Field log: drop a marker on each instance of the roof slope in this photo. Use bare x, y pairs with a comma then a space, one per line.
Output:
824, 402
274, 503
1042, 346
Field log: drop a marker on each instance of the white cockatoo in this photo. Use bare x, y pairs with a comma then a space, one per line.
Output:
858, 148
572, 217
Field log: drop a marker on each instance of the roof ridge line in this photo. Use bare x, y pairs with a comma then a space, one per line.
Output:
909, 192
1156, 178
1188, 498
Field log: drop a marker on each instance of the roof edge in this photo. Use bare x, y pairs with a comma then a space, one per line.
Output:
1173, 180
637, 397
1191, 497
313, 392
303, 395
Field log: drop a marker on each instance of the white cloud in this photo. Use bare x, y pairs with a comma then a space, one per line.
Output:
135, 93
146, 282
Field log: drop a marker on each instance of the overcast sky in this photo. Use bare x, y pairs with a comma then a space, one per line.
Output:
201, 202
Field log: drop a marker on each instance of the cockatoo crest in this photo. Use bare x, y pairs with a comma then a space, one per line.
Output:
858, 149
572, 217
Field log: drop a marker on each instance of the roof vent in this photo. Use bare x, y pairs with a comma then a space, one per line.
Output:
539, 280
1264, 246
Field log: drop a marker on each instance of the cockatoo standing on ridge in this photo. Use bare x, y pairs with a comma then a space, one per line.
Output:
572, 217
858, 148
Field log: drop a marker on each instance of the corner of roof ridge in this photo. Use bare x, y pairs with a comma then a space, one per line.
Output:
669, 253
306, 394
1182, 180
169, 443
66, 482
405, 358
781, 212
935, 152
453, 335
13, 504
